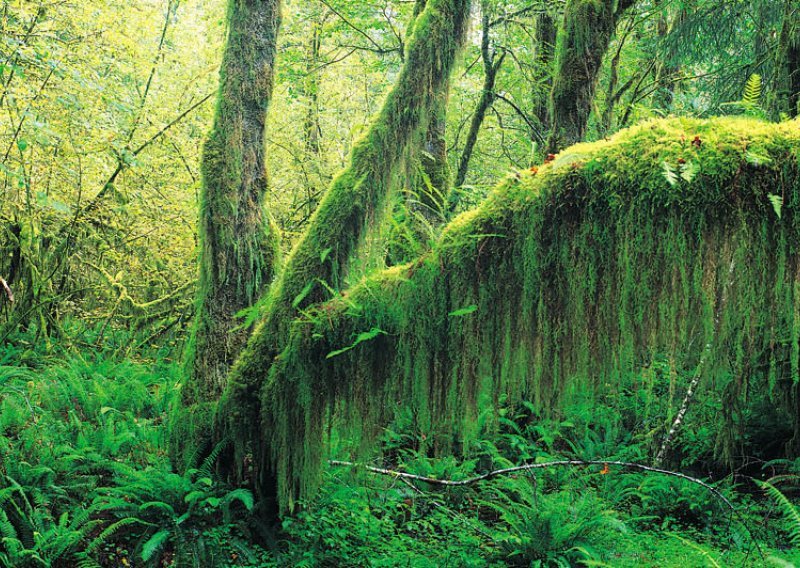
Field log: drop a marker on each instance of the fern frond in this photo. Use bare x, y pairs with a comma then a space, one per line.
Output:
789, 511
752, 91
111, 530
208, 464
154, 543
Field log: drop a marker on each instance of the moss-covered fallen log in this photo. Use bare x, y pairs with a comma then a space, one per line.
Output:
676, 237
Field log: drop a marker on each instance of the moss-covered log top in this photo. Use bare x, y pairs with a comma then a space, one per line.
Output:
677, 237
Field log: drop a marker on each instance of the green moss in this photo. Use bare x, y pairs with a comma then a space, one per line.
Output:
573, 277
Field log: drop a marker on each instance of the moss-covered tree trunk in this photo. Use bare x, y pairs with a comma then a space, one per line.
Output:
319, 262
429, 175
789, 61
238, 242
564, 284
310, 88
545, 35
583, 40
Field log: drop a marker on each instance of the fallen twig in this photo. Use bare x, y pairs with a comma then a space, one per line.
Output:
532, 466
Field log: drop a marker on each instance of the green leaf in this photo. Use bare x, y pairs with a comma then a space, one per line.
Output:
153, 544
777, 203
22, 144
302, 295
689, 170
464, 311
669, 174
324, 254
362, 337
752, 91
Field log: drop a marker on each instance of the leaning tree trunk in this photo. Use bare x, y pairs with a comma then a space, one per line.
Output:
587, 29
319, 262
563, 285
238, 242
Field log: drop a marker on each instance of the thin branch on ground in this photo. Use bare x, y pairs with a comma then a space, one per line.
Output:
410, 477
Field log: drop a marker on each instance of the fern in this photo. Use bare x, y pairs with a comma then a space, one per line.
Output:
111, 530
789, 511
752, 91
154, 544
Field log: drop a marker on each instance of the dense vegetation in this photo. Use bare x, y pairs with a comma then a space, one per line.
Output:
547, 313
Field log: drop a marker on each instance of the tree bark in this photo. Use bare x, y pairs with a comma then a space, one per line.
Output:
312, 129
587, 29
238, 243
789, 62
546, 34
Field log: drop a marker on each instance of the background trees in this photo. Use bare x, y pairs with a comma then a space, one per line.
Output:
93, 183
380, 123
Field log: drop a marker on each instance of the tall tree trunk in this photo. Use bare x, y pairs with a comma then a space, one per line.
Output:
546, 33
491, 66
312, 131
587, 29
319, 261
789, 61
238, 242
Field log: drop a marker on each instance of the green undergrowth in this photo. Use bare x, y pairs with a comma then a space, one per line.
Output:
575, 516
674, 240
85, 481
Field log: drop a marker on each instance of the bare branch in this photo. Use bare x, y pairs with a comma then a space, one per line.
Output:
533, 466
7, 289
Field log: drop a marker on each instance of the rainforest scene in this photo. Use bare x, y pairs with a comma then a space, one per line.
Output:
399, 283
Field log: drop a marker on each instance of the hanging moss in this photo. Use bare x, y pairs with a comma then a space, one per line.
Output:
558, 286
355, 201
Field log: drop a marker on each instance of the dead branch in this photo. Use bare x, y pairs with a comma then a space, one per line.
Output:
533, 466
408, 477
7, 290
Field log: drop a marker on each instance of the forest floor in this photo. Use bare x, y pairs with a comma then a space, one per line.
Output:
85, 480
